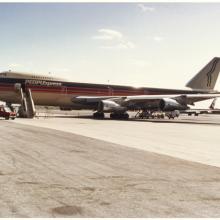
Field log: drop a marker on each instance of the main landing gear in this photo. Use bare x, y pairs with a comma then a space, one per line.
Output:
124, 116
99, 115
119, 116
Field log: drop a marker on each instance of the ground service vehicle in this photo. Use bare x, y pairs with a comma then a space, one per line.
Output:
6, 113
173, 114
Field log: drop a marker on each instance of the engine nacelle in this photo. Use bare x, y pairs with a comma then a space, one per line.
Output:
110, 106
168, 104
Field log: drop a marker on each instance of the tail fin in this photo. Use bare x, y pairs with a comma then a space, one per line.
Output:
206, 78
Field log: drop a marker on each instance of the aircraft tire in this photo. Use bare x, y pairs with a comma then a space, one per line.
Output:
99, 115
124, 116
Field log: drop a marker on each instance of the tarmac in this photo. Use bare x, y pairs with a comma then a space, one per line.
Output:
74, 166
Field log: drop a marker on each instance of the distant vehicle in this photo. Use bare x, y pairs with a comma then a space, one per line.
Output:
157, 114
196, 112
150, 115
173, 114
5, 112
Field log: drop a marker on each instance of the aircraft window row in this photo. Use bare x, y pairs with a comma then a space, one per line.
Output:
43, 78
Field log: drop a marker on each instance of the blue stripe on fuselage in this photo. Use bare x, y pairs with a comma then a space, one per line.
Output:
12, 81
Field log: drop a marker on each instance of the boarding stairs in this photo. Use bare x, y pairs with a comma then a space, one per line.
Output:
27, 109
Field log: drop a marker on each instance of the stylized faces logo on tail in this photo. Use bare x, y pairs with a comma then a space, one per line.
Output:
209, 74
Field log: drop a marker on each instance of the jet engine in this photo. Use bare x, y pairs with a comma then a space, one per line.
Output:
110, 106
168, 104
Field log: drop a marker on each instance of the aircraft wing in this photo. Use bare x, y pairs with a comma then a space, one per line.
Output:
163, 102
187, 98
91, 99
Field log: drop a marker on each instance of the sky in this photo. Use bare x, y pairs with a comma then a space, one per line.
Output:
140, 44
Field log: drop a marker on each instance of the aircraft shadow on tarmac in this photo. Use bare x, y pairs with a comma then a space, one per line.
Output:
196, 121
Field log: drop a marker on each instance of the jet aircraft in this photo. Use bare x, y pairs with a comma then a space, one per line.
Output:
29, 89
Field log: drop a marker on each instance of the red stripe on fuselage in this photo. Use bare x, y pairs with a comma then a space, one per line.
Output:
6, 88
78, 91
89, 91
84, 93
82, 89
